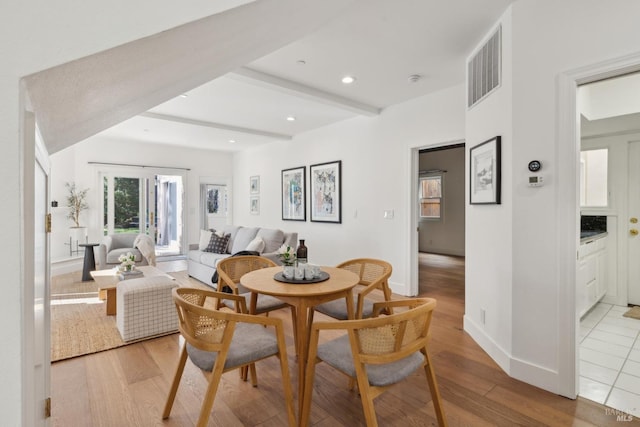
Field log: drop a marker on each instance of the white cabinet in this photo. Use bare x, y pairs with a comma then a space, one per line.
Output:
591, 283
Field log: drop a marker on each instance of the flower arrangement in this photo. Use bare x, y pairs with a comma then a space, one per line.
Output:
287, 255
127, 261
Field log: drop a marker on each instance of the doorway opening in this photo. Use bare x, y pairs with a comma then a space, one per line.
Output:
146, 202
439, 209
607, 278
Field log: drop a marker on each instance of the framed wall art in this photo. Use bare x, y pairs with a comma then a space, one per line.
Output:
254, 205
254, 184
484, 173
293, 194
326, 192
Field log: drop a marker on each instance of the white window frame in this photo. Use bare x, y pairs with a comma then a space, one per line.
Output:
421, 198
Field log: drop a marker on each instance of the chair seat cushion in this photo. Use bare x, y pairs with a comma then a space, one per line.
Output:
337, 353
265, 303
114, 254
338, 308
251, 342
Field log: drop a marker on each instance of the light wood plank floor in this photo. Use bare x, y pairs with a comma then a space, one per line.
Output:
127, 386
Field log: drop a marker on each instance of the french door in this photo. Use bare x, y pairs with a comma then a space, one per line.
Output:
140, 201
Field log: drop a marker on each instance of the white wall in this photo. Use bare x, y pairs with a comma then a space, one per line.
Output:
375, 154
36, 35
446, 234
517, 274
488, 262
72, 164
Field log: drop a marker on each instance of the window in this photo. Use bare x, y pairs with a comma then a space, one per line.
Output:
431, 197
593, 178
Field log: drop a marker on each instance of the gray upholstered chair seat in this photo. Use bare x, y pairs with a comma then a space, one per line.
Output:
251, 342
338, 308
337, 353
265, 303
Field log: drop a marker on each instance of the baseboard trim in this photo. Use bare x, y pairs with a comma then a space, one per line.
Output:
66, 266
519, 369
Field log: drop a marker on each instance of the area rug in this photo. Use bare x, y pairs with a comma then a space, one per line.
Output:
634, 312
79, 324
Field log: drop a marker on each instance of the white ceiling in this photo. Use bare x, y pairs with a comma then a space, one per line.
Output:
606, 107
380, 42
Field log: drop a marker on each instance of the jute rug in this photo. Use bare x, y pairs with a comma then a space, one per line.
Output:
79, 324
634, 313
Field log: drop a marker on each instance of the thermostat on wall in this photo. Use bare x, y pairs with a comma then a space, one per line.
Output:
535, 181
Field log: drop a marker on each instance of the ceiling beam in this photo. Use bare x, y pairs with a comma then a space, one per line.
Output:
214, 125
249, 75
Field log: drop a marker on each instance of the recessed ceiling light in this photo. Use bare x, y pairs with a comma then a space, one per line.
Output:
184, 95
291, 119
414, 78
232, 141
348, 80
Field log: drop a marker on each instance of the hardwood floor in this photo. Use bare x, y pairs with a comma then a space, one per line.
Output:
128, 386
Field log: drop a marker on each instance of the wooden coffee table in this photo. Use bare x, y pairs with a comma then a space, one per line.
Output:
107, 281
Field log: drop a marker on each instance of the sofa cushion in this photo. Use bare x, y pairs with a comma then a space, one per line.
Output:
210, 259
195, 255
232, 230
256, 245
218, 244
205, 238
244, 236
273, 239
122, 240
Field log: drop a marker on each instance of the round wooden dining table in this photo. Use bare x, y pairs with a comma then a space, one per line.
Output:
302, 296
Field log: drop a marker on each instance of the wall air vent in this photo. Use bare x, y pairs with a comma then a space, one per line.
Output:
484, 69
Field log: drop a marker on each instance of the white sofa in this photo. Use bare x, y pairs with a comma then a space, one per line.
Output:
201, 265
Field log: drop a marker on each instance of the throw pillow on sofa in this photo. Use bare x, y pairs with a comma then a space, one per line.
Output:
205, 238
256, 245
217, 244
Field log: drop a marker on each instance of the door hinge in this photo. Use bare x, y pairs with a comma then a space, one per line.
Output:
47, 223
47, 407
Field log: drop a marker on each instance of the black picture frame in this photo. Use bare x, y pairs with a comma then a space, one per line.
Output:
294, 206
485, 173
325, 192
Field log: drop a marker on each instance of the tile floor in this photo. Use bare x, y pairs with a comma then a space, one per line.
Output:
610, 358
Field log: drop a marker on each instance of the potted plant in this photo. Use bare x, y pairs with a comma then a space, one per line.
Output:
76, 202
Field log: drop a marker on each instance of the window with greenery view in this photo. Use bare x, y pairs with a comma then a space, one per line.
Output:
126, 204
431, 197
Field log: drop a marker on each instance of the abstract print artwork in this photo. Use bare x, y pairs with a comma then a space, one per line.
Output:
325, 192
293, 194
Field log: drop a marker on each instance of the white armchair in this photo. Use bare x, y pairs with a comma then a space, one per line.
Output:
114, 245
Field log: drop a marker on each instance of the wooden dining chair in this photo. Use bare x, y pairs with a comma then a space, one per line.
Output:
377, 352
231, 269
217, 341
374, 274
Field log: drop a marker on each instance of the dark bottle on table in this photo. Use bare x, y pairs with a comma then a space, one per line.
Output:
301, 253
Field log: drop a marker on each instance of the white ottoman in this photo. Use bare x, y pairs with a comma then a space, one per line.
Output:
145, 307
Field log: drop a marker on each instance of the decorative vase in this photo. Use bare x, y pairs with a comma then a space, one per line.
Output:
301, 253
